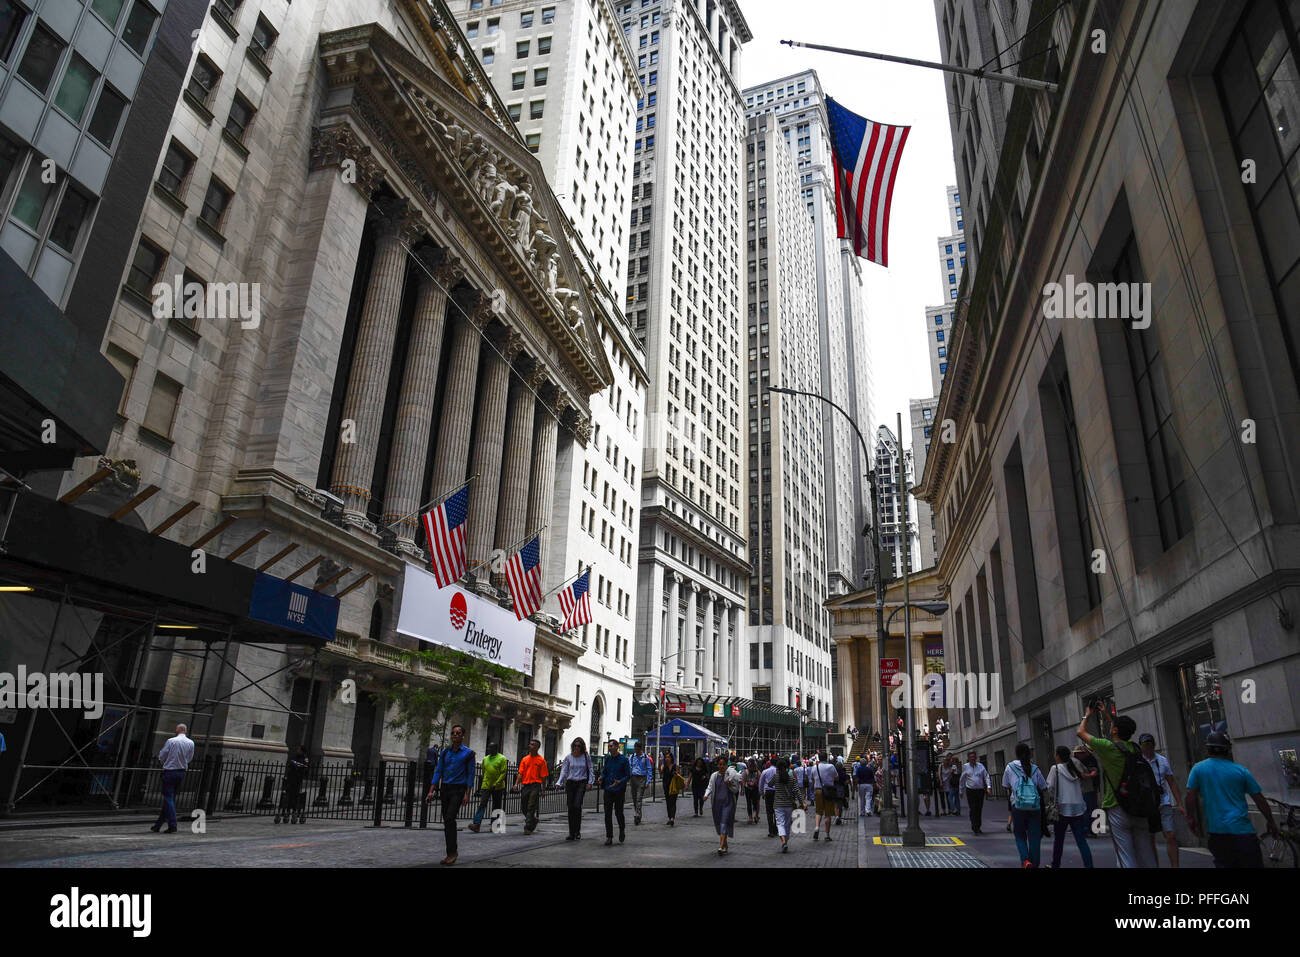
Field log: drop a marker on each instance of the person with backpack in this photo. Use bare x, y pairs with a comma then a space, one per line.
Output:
1219, 786
453, 774
766, 788
576, 777
786, 795
826, 779
1025, 783
1171, 799
1064, 782
1129, 796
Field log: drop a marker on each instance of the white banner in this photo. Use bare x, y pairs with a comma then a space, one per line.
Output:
459, 619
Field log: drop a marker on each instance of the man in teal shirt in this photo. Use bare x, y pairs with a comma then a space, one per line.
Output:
1219, 786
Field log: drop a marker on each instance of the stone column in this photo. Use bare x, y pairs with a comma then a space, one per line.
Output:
489, 434
363, 406
670, 632
415, 404
516, 466
692, 663
711, 650
845, 713
541, 484
727, 679
451, 467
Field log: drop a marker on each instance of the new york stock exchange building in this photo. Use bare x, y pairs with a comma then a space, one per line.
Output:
413, 312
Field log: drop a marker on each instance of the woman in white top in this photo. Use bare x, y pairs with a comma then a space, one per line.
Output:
576, 776
724, 787
1063, 781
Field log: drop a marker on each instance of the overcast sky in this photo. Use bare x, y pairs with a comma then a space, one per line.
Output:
889, 93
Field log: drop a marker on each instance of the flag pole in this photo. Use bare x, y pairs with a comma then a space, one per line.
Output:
573, 578
436, 500
948, 67
510, 548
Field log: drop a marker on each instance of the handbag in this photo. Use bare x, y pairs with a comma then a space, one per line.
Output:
1051, 807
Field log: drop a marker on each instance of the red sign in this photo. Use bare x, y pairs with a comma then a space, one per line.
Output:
735, 711
888, 671
675, 707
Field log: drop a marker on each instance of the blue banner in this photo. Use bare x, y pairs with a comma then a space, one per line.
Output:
296, 607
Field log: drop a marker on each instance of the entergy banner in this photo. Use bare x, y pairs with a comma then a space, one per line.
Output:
460, 619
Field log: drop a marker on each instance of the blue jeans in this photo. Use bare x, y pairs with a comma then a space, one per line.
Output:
954, 800
171, 780
1028, 829
1079, 827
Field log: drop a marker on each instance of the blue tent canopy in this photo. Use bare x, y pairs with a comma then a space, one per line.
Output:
676, 731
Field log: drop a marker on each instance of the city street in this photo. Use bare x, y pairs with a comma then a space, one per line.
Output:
256, 842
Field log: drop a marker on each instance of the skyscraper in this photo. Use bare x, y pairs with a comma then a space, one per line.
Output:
686, 299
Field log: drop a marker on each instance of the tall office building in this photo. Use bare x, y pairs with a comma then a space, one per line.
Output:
797, 103
921, 414
894, 475
787, 639
566, 72
686, 299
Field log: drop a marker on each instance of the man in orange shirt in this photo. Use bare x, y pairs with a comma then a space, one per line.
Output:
532, 776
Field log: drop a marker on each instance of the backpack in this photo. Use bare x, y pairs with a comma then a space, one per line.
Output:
1025, 796
1137, 792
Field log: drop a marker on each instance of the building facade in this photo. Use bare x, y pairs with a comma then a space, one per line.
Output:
689, 305
568, 77
1116, 518
895, 473
923, 426
786, 639
401, 307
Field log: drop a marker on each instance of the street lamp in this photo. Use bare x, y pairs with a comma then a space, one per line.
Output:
888, 814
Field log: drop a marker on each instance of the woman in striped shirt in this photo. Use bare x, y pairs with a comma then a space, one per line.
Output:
787, 795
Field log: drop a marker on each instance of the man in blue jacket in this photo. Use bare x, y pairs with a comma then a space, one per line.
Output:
613, 778
453, 777
643, 770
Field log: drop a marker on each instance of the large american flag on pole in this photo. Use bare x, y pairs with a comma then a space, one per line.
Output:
445, 526
866, 156
524, 577
575, 602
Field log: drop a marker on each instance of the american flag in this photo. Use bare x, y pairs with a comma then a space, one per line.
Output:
445, 526
524, 577
575, 602
866, 158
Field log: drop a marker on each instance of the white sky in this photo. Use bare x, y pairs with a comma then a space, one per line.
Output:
888, 93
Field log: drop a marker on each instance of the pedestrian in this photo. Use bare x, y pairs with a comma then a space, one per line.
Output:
1067, 787
751, 790
699, 783
576, 777
841, 789
785, 795
825, 777
766, 787
952, 781
1025, 783
492, 789
924, 780
1119, 758
643, 770
864, 775
976, 782
176, 755
673, 783
453, 775
1171, 799
613, 779
532, 776
1217, 788
1085, 765
724, 787
291, 794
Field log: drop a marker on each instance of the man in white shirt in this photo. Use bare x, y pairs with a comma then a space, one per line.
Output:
175, 756
976, 782
1171, 798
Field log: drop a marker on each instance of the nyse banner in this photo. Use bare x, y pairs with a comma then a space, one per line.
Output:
460, 619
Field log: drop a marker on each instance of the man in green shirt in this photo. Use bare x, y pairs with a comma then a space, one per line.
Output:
1133, 848
493, 788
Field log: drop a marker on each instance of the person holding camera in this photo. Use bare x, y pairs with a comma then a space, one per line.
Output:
1122, 768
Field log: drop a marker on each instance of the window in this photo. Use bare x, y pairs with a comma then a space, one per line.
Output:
262, 41
74, 92
108, 114
30, 203
489, 55
539, 76
939, 335
108, 10
517, 80
515, 111
68, 222
943, 368
471, 29
145, 267
40, 59
215, 203
12, 18
938, 320
139, 25
521, 49
241, 114
493, 26
1022, 553
548, 15
175, 169
125, 364
203, 80
163, 400
544, 45
536, 109
525, 19
533, 141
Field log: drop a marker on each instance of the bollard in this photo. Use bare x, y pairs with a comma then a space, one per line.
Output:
236, 802
266, 804
321, 799
411, 768
379, 805
345, 800
388, 790
367, 796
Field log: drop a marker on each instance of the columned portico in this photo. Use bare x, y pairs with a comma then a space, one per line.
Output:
451, 466
516, 471
489, 435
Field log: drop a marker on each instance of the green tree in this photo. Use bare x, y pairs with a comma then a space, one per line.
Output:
452, 686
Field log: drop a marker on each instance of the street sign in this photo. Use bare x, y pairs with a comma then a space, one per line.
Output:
888, 671
735, 711
675, 707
